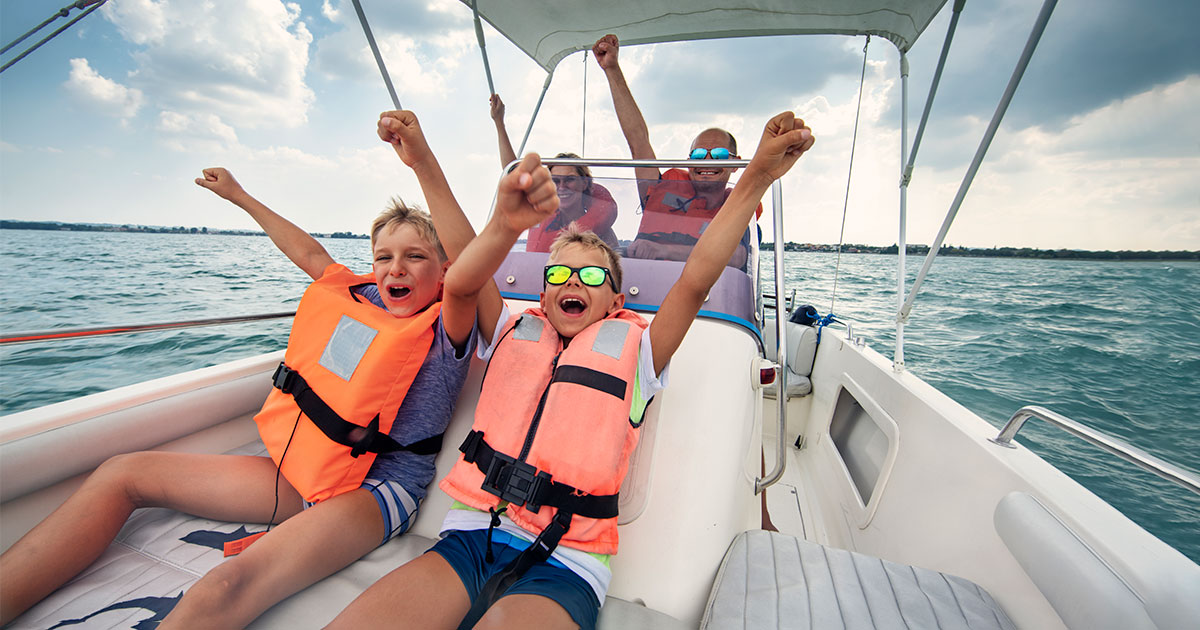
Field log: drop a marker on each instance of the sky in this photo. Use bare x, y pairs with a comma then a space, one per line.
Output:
111, 121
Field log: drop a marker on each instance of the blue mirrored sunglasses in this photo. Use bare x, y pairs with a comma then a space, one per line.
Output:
719, 153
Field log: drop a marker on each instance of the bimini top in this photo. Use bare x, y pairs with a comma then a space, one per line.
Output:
549, 31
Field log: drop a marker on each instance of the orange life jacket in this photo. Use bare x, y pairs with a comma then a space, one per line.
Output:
552, 433
347, 369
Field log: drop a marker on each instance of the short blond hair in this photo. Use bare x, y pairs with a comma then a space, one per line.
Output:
398, 213
573, 234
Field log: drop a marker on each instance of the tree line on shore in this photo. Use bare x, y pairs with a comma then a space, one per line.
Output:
993, 252
6, 224
854, 248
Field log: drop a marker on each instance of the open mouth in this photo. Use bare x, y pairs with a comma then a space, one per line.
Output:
397, 292
572, 306
708, 171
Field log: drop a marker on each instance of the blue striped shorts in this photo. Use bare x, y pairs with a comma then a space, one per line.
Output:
397, 507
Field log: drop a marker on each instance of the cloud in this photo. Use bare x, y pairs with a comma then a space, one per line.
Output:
6, 147
195, 132
101, 94
243, 61
1090, 55
422, 44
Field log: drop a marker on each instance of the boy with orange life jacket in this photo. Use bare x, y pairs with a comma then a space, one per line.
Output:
527, 541
372, 370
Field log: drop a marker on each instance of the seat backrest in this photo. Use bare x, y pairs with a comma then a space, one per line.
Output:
1133, 583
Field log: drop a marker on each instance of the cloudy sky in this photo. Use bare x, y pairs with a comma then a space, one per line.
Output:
112, 120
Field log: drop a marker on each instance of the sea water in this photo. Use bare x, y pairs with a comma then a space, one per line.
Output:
1114, 345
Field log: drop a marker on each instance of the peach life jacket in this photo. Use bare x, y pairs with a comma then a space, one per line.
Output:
347, 369
553, 433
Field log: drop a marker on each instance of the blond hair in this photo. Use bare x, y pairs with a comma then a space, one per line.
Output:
573, 234
398, 213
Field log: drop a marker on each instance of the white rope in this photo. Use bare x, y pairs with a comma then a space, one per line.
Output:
846, 201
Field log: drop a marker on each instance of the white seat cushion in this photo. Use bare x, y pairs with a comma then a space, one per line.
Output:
771, 580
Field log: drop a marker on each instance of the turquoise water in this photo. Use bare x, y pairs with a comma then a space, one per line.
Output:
1114, 345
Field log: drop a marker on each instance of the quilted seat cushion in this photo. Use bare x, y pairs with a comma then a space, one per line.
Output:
771, 580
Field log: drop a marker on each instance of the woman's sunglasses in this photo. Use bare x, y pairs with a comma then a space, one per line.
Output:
591, 275
719, 153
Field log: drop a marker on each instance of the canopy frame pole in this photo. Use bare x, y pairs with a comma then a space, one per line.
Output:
1035, 35
583, 133
387, 79
537, 108
902, 246
933, 86
487, 68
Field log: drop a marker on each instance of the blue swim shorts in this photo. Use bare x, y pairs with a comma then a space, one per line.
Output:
467, 552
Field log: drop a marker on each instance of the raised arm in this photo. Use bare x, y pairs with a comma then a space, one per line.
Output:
526, 197
784, 140
507, 154
299, 246
402, 130
633, 124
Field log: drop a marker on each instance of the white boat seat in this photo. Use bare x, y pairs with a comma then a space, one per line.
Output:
801, 352
159, 553
771, 580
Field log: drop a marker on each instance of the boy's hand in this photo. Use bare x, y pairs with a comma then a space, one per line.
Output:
784, 140
605, 51
401, 129
497, 108
527, 196
221, 182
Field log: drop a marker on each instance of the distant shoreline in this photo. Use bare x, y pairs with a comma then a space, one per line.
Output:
918, 250
59, 226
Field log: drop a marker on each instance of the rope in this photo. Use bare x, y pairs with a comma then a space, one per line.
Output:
824, 321
63, 12
846, 201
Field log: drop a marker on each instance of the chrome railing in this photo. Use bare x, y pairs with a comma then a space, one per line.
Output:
1120, 448
100, 331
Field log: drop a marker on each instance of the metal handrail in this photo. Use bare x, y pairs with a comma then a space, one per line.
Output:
101, 331
1115, 446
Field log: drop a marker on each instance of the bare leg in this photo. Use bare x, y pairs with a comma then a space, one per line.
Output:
224, 487
524, 610
424, 593
302, 550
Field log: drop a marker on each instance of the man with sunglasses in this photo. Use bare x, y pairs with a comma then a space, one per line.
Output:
678, 204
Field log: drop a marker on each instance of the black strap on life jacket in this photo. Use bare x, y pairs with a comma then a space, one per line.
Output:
520, 483
500, 582
360, 439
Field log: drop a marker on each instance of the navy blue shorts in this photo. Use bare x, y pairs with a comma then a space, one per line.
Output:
467, 551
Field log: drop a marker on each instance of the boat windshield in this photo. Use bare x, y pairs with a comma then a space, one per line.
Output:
653, 225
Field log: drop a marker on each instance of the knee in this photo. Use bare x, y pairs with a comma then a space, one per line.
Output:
120, 475
220, 587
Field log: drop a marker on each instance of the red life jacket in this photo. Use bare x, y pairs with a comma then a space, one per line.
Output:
347, 369
552, 430
674, 214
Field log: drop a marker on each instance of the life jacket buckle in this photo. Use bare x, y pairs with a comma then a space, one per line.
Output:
284, 378
519, 483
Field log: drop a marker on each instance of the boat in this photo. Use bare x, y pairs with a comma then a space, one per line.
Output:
790, 475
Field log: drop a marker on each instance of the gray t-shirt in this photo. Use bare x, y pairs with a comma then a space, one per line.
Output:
427, 407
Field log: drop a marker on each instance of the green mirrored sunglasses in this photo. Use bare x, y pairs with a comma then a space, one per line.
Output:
591, 275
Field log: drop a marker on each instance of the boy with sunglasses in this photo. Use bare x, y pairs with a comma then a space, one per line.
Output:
678, 205
528, 540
